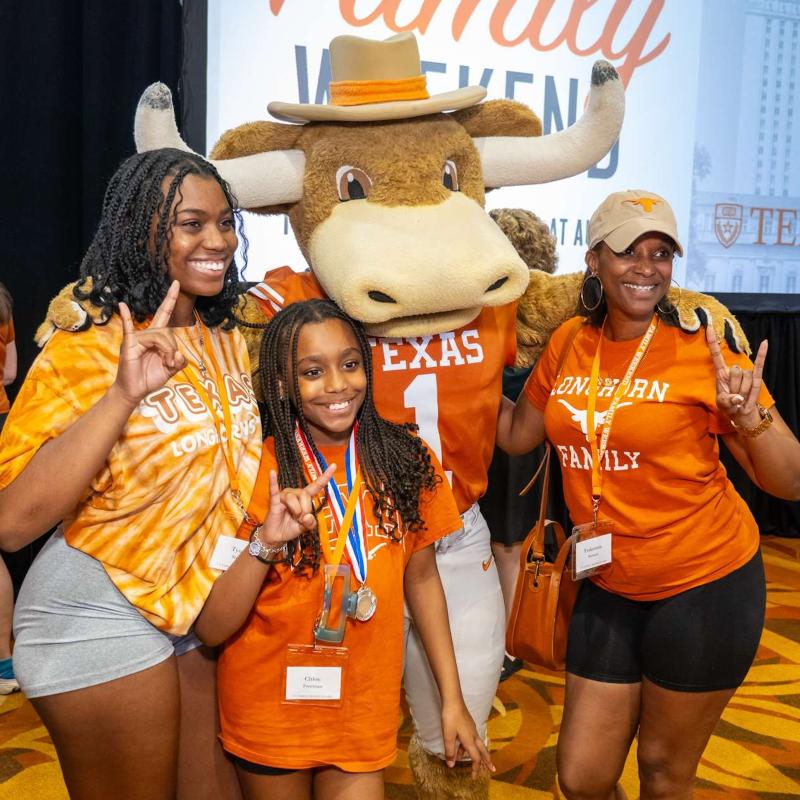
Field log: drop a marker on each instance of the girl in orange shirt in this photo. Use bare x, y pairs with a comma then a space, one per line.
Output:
309, 685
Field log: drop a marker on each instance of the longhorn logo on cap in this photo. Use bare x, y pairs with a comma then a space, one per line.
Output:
646, 203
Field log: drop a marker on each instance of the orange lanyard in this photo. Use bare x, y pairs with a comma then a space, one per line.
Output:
333, 555
598, 451
224, 427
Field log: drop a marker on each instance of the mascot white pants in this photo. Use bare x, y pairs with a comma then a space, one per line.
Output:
477, 622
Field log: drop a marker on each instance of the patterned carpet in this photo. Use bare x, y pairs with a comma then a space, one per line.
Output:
754, 753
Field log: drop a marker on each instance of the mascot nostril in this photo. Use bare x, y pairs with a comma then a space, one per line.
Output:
497, 284
380, 297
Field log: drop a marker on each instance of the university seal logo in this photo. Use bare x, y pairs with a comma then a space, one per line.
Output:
728, 223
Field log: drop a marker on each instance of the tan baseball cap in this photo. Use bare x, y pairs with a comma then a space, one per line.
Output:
624, 216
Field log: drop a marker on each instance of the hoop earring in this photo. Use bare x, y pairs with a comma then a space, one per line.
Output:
583, 286
666, 296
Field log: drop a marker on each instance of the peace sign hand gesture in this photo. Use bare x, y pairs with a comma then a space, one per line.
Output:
291, 511
149, 357
737, 389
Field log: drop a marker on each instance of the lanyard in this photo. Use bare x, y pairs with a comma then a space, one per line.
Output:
599, 451
349, 516
208, 387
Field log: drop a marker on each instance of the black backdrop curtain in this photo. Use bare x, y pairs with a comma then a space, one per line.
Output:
782, 376
72, 74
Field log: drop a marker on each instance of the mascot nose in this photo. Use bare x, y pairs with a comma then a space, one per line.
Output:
497, 284
381, 297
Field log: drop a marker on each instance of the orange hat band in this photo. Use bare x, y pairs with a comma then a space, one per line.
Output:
357, 93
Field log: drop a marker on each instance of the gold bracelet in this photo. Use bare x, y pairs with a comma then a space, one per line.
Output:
751, 433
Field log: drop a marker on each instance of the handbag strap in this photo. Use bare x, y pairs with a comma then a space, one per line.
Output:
536, 535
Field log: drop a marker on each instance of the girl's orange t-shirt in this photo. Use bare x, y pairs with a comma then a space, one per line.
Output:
361, 734
678, 521
6, 337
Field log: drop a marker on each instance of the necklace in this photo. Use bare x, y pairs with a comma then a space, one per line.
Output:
200, 359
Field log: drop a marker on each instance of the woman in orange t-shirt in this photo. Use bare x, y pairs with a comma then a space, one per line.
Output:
116, 434
309, 683
668, 623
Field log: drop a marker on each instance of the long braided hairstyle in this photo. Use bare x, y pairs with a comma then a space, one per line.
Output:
395, 463
127, 262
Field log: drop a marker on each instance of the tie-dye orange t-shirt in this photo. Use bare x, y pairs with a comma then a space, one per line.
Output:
153, 514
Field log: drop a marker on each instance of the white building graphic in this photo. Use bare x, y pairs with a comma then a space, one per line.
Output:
745, 226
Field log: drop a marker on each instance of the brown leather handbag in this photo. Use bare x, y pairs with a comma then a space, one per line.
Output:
545, 592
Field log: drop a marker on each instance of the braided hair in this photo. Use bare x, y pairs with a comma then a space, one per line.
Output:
126, 263
395, 463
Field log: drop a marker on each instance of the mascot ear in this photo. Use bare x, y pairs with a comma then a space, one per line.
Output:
696, 309
499, 118
67, 313
253, 138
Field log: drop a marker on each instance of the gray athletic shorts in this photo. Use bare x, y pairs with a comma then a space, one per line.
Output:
73, 628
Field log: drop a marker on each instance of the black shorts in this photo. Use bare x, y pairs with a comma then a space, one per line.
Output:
701, 640
259, 769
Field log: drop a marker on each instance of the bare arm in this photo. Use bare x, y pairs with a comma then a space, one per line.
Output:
231, 598
10, 367
425, 598
58, 475
235, 591
772, 458
520, 426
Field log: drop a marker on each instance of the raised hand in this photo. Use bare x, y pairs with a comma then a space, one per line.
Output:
148, 358
737, 389
461, 739
291, 511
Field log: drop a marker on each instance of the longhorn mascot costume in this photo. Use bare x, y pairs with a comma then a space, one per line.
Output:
384, 189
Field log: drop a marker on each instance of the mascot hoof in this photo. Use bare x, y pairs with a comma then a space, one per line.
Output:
434, 780
65, 313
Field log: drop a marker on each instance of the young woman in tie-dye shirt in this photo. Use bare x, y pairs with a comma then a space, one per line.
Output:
142, 438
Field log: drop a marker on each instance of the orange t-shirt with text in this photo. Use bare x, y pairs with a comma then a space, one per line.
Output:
6, 337
153, 513
450, 384
360, 735
678, 521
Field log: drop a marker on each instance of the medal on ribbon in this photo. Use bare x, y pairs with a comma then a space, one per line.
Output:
351, 524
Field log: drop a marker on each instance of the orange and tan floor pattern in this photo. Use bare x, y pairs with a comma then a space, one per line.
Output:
754, 753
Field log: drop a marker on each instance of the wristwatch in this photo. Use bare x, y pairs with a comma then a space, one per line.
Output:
267, 553
751, 433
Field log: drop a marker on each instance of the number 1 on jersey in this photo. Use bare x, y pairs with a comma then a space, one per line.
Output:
422, 396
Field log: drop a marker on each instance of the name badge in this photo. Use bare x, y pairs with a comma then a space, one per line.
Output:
226, 552
313, 683
314, 675
591, 548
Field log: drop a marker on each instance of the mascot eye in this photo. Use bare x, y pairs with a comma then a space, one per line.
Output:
352, 183
450, 176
